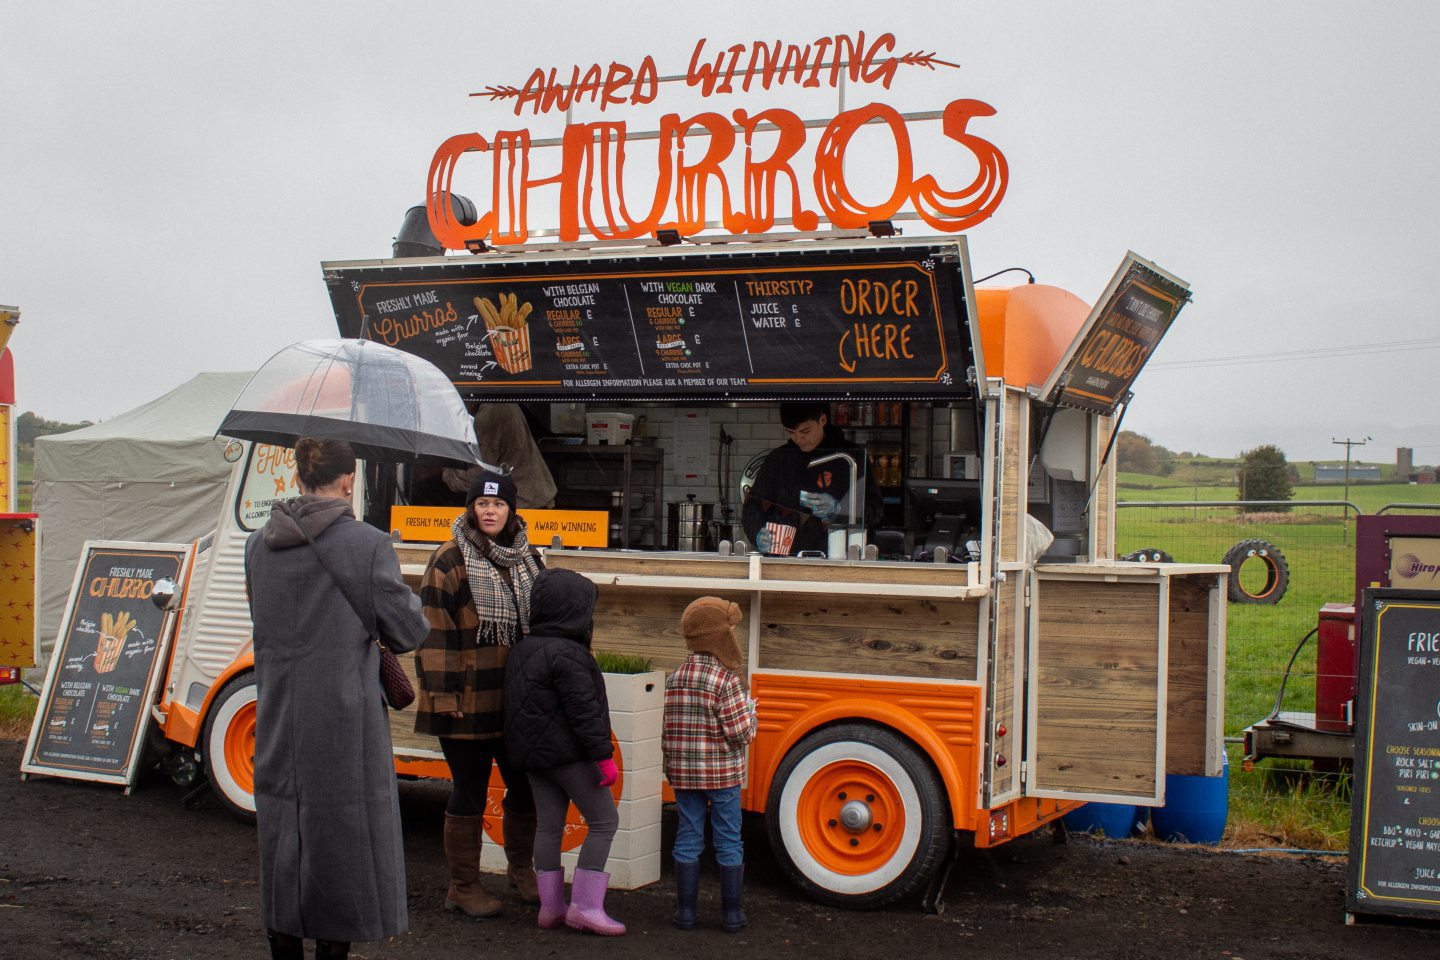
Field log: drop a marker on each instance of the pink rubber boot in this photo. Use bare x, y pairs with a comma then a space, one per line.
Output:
551, 884
587, 904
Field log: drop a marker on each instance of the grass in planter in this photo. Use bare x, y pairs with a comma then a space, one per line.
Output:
612, 662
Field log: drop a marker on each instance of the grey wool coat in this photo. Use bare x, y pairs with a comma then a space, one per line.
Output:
331, 858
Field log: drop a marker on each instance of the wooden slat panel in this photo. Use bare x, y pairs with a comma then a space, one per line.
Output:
1096, 689
1007, 610
402, 722
870, 635
843, 573
1012, 476
650, 564
1104, 547
646, 623
1188, 675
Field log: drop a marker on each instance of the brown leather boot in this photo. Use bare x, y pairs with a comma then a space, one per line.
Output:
519, 832
463, 836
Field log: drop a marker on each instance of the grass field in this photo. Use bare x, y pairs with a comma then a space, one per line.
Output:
1278, 802
25, 472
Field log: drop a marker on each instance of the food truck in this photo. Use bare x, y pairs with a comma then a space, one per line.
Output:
964, 670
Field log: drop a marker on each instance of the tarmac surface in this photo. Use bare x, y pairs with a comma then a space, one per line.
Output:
86, 871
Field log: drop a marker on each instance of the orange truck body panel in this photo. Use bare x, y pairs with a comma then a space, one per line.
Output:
942, 720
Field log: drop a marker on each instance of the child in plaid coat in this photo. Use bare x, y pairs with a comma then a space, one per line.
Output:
708, 721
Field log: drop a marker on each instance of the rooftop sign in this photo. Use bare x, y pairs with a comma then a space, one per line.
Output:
742, 170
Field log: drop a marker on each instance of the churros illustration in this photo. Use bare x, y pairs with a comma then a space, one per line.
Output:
509, 331
113, 630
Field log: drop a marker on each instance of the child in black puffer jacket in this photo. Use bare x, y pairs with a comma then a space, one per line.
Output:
557, 729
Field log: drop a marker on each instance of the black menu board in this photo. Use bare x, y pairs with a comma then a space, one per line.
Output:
1395, 818
106, 664
879, 319
1136, 310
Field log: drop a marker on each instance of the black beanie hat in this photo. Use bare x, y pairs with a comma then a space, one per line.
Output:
490, 484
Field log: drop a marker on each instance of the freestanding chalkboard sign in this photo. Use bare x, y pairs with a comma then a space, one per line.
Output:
106, 664
1395, 819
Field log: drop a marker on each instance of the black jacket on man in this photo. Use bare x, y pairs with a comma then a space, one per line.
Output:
775, 495
556, 711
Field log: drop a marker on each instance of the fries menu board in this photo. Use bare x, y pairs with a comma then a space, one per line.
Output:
1395, 796
106, 664
874, 318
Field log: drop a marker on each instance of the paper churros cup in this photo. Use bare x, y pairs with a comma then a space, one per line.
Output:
107, 651
512, 347
782, 538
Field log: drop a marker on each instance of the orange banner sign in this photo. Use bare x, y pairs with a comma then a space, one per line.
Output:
576, 528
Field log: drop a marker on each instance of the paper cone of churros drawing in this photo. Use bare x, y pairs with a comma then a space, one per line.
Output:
509, 331
114, 628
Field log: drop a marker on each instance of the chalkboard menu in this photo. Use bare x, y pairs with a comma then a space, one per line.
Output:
1395, 820
106, 664
875, 318
1137, 308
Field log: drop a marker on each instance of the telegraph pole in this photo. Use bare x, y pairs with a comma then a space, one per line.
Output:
1347, 443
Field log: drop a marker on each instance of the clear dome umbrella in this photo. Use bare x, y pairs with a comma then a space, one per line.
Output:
389, 405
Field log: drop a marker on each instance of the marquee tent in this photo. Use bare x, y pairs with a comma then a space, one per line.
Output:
156, 473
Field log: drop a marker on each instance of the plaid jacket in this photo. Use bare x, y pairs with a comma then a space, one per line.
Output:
707, 725
454, 670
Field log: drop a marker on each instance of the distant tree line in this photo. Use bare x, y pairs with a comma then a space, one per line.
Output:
28, 426
1136, 453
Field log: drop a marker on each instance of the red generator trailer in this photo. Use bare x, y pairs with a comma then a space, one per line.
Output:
1391, 550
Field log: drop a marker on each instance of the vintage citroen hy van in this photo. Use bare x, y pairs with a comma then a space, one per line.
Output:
963, 671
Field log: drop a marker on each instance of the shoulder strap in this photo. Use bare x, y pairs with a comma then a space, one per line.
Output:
367, 622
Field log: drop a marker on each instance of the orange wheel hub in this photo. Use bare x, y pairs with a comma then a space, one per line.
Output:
240, 747
852, 817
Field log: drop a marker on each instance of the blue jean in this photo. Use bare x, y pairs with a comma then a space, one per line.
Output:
724, 808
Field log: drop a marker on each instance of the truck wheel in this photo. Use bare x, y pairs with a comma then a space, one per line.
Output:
857, 817
1277, 572
229, 744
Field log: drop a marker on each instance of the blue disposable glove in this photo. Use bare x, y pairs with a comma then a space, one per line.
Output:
764, 540
821, 505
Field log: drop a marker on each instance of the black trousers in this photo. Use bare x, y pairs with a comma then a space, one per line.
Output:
469, 762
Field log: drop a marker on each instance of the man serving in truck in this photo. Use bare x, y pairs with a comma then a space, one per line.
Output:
803, 487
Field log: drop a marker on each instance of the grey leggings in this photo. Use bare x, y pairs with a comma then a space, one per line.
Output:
555, 789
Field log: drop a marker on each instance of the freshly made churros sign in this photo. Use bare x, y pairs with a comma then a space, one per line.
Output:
745, 168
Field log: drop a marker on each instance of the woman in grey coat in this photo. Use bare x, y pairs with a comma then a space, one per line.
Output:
331, 859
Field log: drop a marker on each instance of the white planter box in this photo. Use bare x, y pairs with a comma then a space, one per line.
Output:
637, 703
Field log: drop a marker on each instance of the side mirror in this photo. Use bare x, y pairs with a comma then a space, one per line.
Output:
162, 593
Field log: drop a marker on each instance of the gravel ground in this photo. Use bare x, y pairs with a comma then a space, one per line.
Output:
87, 871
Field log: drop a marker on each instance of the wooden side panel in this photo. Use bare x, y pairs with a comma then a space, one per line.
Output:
646, 623
402, 722
1104, 539
924, 574
1004, 780
1097, 722
1187, 709
651, 565
1012, 475
880, 636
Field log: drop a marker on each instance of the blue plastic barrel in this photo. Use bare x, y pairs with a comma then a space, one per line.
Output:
1195, 808
1111, 819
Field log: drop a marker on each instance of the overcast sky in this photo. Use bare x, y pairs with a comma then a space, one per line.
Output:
172, 174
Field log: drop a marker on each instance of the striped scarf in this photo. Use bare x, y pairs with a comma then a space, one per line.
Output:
502, 607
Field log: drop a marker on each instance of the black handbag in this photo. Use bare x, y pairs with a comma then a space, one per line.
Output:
399, 692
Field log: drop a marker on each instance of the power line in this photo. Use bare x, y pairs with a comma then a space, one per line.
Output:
1315, 353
